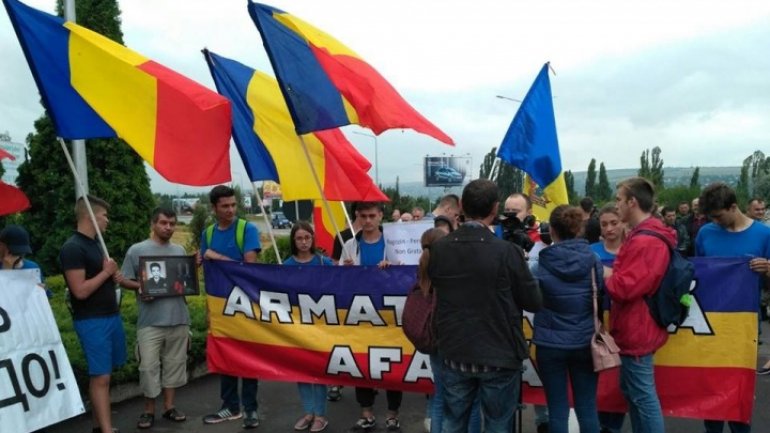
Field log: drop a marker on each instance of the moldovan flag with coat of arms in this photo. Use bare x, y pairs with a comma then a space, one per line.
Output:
93, 87
532, 146
326, 84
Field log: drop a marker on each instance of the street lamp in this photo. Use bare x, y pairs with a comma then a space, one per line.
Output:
376, 160
507, 98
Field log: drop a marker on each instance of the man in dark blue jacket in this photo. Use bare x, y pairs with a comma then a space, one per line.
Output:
482, 283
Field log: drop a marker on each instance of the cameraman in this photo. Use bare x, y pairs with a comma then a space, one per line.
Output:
518, 225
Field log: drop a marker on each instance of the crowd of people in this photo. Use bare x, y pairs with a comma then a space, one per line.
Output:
482, 282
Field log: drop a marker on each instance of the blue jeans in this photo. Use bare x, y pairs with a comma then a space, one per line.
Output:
498, 391
436, 410
637, 382
229, 392
735, 427
313, 396
557, 367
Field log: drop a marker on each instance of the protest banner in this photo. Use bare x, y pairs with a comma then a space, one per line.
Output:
402, 241
341, 325
37, 386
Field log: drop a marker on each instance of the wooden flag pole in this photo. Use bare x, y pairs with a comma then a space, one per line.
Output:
347, 218
320, 190
267, 221
80, 185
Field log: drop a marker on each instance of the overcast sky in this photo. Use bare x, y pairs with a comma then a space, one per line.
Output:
692, 77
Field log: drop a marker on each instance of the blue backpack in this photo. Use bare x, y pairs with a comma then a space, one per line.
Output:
670, 304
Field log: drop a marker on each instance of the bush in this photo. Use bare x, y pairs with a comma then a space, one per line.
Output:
284, 248
128, 310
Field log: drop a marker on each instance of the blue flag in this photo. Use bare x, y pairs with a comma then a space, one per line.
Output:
530, 143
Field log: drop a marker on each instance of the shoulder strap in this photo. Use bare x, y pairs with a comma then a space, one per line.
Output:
240, 233
209, 235
656, 235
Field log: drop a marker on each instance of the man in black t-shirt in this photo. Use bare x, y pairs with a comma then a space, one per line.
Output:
91, 278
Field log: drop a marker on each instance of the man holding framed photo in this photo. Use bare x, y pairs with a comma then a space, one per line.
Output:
163, 324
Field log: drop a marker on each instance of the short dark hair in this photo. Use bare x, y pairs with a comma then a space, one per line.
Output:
640, 189
667, 209
154, 265
220, 191
450, 200
587, 204
683, 202
479, 198
158, 211
715, 197
301, 225
81, 211
365, 205
757, 199
566, 221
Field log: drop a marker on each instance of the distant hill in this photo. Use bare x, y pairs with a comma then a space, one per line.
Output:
671, 176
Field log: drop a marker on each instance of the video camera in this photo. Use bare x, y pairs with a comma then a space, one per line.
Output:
515, 230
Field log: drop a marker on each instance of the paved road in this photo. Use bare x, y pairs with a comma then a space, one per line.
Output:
279, 407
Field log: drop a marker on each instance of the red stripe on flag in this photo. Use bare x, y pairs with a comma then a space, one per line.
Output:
378, 104
192, 136
293, 364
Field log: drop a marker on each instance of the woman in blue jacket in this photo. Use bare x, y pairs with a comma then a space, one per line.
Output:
565, 324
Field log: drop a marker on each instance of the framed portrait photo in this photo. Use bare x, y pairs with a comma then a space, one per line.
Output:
168, 276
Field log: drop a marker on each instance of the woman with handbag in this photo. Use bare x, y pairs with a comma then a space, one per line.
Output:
565, 325
313, 395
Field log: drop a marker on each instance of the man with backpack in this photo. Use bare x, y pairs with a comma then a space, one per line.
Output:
231, 238
731, 234
637, 273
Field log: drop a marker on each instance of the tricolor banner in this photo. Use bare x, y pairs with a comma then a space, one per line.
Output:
341, 325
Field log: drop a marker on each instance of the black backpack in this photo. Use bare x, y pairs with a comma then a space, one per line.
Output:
670, 304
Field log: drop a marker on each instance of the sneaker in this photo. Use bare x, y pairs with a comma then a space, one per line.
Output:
364, 423
334, 394
763, 371
251, 420
392, 424
426, 425
319, 424
223, 415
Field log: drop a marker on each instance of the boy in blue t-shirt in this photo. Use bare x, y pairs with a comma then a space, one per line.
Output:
731, 234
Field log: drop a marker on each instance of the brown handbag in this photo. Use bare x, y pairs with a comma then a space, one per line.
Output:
417, 320
604, 351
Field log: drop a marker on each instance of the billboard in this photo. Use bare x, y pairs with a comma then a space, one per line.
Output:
446, 170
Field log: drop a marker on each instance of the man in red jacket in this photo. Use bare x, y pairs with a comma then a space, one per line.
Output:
637, 273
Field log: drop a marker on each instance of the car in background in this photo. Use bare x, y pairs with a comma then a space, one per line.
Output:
279, 221
448, 175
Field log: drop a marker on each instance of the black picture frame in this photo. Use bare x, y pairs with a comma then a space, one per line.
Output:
163, 276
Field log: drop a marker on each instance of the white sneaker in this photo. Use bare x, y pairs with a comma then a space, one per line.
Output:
426, 425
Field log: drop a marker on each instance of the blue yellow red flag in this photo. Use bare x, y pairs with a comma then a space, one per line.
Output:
94, 87
531, 145
326, 84
265, 137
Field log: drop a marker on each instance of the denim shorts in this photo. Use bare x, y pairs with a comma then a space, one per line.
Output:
104, 343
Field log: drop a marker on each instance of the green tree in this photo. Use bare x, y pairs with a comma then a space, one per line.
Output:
569, 181
591, 179
742, 189
604, 189
116, 173
695, 179
508, 178
652, 168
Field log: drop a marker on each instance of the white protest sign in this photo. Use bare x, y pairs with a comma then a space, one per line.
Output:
37, 386
402, 241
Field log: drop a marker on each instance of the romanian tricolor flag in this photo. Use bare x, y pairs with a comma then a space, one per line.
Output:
531, 145
313, 324
270, 148
325, 224
326, 84
94, 87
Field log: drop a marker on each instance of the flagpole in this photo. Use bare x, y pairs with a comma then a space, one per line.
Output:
79, 184
267, 222
78, 146
347, 218
320, 190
